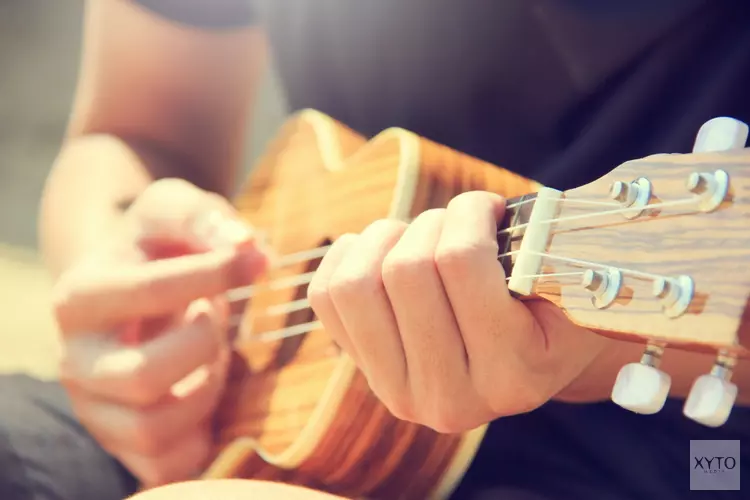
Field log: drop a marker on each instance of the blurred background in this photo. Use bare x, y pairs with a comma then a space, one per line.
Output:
39, 52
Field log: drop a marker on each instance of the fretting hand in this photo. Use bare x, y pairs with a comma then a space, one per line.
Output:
424, 311
143, 327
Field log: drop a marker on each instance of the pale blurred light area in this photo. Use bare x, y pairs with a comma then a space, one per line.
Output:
39, 51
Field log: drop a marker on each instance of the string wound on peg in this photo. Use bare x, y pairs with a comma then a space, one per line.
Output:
636, 194
712, 188
604, 285
675, 294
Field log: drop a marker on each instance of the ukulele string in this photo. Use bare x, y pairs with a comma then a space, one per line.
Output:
585, 263
314, 253
567, 200
244, 293
302, 304
685, 201
310, 326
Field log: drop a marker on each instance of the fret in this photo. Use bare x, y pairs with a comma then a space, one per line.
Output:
514, 216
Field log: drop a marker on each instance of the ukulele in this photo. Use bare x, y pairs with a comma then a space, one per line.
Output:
632, 255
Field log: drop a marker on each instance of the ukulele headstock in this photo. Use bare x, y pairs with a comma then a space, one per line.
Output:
655, 251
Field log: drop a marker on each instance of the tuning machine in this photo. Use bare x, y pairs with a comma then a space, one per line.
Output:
675, 294
713, 395
635, 195
603, 285
642, 387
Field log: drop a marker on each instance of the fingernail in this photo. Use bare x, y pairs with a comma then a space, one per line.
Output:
262, 245
199, 310
191, 382
220, 230
234, 232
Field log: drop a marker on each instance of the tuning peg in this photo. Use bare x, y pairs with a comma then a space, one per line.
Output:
635, 194
712, 396
604, 285
721, 134
642, 387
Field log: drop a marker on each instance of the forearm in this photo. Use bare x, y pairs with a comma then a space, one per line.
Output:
93, 180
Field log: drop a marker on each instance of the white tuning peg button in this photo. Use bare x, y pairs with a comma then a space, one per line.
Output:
641, 388
721, 134
711, 398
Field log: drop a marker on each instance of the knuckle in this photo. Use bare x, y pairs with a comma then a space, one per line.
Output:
318, 297
397, 403
443, 414
447, 421
347, 283
166, 186
400, 406
513, 397
470, 197
456, 258
384, 226
400, 267
167, 197
429, 216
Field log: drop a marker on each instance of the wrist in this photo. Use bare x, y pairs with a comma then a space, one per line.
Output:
595, 382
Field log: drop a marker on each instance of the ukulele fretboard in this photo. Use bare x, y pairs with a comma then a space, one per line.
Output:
517, 213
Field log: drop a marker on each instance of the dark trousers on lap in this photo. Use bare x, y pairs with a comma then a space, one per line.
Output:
560, 451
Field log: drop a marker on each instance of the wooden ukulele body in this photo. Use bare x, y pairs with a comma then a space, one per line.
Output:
325, 429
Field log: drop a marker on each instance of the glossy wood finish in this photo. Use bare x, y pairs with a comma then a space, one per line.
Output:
297, 410
712, 248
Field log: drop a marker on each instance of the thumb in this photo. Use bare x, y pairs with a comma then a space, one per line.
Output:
173, 217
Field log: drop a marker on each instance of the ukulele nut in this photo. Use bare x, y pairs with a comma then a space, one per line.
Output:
605, 286
636, 194
712, 188
675, 294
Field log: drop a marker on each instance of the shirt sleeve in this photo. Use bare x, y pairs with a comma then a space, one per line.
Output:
207, 14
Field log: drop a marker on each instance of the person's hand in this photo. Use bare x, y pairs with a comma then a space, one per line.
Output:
424, 311
143, 327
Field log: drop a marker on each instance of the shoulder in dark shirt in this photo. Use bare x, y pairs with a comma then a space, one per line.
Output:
210, 14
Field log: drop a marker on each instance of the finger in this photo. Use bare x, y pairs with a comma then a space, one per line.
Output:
357, 292
436, 356
187, 458
142, 374
176, 210
491, 321
318, 294
149, 431
103, 298
237, 302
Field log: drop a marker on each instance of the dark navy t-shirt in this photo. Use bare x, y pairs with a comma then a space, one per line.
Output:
561, 91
